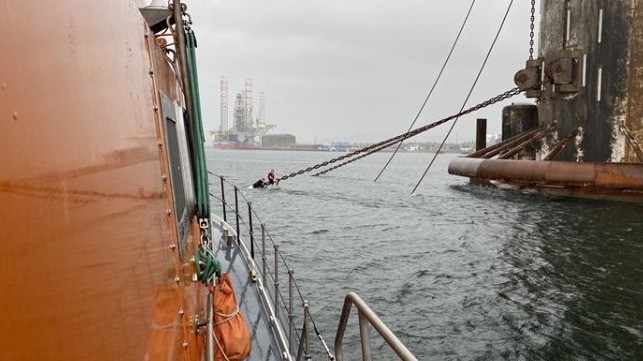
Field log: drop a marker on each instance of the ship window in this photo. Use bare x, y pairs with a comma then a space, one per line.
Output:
176, 173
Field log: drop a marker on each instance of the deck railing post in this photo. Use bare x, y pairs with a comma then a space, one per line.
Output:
365, 336
276, 300
291, 313
305, 340
236, 211
263, 252
252, 237
225, 218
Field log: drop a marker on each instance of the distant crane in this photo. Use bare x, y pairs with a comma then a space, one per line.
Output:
223, 128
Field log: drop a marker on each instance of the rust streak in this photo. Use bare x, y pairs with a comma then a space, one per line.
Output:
57, 192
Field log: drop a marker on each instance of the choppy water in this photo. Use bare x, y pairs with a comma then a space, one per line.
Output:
459, 271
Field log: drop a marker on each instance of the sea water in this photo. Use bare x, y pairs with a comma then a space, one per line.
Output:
458, 270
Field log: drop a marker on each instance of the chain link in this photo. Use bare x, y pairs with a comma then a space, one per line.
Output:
531, 30
204, 232
383, 144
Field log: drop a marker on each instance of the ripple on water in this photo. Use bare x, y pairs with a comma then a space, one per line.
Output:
459, 271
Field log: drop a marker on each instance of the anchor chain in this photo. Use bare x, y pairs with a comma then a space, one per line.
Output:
383, 144
356, 158
531, 30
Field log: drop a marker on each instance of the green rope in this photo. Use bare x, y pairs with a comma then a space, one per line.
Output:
206, 265
198, 138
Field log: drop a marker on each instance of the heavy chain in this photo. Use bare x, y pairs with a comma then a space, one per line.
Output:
531, 30
383, 144
356, 158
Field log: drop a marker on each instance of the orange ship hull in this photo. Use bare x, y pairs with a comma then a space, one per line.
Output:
89, 245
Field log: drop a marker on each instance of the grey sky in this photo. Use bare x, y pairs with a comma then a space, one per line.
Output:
358, 70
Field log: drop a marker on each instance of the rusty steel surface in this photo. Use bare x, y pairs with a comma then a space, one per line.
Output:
609, 86
593, 92
481, 133
86, 268
634, 119
577, 175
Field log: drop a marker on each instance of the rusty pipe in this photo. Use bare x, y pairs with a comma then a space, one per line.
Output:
624, 176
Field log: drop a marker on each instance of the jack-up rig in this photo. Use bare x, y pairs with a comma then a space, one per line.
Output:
245, 130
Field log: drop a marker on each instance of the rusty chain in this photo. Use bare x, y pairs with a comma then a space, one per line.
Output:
356, 158
531, 30
383, 144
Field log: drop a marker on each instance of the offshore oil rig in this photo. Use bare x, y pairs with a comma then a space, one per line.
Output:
245, 129
583, 136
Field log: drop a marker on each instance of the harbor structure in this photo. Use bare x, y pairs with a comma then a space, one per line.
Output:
246, 130
584, 136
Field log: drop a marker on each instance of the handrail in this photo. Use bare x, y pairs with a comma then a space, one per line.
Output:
210, 328
270, 308
367, 316
272, 305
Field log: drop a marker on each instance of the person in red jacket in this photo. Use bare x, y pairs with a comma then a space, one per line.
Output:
271, 178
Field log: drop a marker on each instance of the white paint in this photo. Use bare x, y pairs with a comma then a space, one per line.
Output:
584, 70
618, 141
580, 153
569, 17
545, 146
600, 25
599, 82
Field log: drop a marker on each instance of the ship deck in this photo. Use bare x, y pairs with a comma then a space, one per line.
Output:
234, 262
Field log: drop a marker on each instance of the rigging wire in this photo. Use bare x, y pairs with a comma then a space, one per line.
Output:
484, 63
435, 83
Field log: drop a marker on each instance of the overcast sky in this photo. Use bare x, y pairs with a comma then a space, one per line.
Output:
358, 70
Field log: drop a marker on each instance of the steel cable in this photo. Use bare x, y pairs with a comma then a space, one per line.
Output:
435, 83
475, 82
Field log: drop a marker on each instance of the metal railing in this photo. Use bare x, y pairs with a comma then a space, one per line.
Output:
281, 306
294, 325
366, 316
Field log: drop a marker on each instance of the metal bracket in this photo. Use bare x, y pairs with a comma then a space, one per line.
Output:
530, 78
567, 71
198, 323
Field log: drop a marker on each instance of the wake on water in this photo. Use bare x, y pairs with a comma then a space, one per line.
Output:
269, 188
